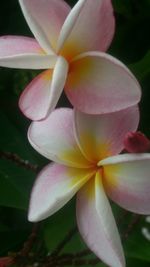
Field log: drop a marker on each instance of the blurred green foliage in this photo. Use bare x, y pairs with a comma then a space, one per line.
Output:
131, 45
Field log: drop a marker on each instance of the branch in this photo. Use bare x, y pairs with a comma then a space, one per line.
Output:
31, 239
76, 262
30, 256
17, 160
22, 257
83, 253
69, 260
61, 245
134, 221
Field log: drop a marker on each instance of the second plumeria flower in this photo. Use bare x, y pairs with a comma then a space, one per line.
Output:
85, 150
71, 45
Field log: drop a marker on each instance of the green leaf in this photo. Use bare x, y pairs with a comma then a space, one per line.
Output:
142, 68
11, 138
58, 225
137, 246
15, 185
11, 239
14, 230
14, 128
136, 263
15, 180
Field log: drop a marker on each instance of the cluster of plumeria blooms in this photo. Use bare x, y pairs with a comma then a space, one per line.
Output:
89, 144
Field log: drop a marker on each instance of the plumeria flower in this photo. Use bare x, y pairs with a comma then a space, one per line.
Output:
85, 150
70, 45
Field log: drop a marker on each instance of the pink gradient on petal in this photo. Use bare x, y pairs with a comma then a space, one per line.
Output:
54, 138
97, 225
129, 200
42, 94
100, 136
98, 83
16, 45
45, 19
54, 187
127, 181
92, 30
24, 53
34, 100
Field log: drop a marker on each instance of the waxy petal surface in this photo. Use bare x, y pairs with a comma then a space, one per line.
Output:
55, 186
69, 24
97, 225
54, 138
58, 81
127, 181
89, 27
42, 94
24, 52
34, 100
14, 45
45, 19
100, 136
98, 83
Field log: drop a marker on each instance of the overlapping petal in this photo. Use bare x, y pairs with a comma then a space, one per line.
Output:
45, 19
34, 100
54, 187
127, 181
98, 83
96, 223
11, 44
89, 27
24, 52
58, 81
41, 95
54, 138
100, 136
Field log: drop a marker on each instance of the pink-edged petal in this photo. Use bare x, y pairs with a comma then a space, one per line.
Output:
55, 186
15, 45
41, 95
96, 223
45, 19
98, 83
100, 136
34, 100
89, 27
127, 181
69, 24
54, 138
24, 52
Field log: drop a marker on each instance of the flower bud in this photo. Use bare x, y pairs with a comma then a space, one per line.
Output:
5, 261
136, 142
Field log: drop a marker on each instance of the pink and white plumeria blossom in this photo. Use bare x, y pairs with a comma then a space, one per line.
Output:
85, 150
70, 44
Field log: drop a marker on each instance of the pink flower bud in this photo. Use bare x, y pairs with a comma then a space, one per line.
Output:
136, 142
5, 261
